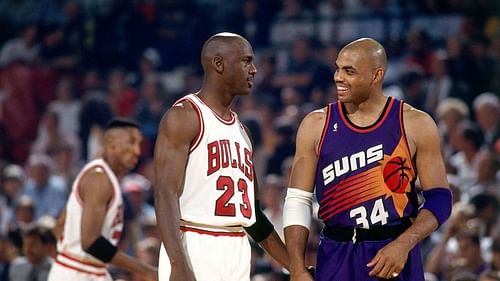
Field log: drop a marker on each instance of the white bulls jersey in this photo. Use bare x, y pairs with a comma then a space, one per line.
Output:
219, 181
70, 251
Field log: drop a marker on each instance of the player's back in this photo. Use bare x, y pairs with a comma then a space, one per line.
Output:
219, 181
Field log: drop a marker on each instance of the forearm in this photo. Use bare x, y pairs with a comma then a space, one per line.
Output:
295, 239
275, 247
131, 264
424, 224
168, 217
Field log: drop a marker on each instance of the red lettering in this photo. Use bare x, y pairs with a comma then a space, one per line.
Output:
213, 157
249, 165
225, 150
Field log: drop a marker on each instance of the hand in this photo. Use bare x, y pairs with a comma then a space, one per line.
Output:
389, 260
182, 273
303, 275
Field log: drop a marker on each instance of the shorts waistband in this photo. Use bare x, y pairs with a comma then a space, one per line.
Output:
341, 234
234, 231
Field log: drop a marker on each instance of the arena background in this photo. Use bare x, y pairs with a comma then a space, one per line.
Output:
67, 67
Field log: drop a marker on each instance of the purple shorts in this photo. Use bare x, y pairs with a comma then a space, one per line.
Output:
345, 261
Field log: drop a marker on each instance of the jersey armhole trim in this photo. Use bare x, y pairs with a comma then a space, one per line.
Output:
403, 133
201, 124
325, 129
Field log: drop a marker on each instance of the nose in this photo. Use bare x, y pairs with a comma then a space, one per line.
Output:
337, 77
253, 69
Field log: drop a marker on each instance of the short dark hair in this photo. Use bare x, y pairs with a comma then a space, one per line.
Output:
44, 234
122, 122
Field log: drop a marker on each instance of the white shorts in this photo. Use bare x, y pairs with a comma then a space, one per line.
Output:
65, 268
212, 258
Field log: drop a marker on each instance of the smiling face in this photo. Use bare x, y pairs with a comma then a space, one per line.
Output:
360, 68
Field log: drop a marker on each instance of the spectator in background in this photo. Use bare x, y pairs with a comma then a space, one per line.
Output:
24, 213
36, 263
51, 137
67, 107
122, 98
467, 140
450, 112
273, 198
48, 191
54, 51
95, 113
13, 182
487, 111
23, 49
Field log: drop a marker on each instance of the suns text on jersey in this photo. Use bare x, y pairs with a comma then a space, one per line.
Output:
352, 162
224, 153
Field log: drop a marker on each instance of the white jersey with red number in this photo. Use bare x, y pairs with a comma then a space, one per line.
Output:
69, 247
219, 181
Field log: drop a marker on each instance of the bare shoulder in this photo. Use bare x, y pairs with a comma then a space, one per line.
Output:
311, 128
180, 118
315, 118
416, 119
96, 183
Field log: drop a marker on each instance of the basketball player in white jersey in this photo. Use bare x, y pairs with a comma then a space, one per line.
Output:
205, 192
91, 224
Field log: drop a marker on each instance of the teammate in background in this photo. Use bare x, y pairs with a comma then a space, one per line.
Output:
91, 225
206, 189
362, 154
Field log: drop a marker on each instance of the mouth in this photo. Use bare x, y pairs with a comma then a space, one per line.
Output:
250, 82
342, 90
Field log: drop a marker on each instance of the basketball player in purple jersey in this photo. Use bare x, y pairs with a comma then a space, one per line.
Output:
362, 154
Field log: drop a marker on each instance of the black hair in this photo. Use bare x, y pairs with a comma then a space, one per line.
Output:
121, 122
42, 233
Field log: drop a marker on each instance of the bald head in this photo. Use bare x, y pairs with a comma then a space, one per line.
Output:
372, 51
220, 44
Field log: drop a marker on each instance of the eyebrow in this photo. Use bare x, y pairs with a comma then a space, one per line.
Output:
347, 67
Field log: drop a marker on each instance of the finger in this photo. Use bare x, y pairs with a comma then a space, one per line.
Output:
386, 271
373, 261
377, 267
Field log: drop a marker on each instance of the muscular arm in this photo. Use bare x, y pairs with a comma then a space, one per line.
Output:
96, 192
422, 133
302, 177
177, 130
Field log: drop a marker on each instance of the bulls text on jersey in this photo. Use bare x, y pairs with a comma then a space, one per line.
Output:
223, 153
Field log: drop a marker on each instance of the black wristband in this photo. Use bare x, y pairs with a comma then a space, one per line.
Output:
102, 249
262, 227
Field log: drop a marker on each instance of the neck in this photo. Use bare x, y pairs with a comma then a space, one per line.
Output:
115, 167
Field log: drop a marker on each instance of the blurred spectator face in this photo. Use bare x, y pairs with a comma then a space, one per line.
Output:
34, 249
454, 46
468, 249
11, 187
487, 116
451, 119
25, 211
29, 34
40, 174
301, 50
65, 90
438, 67
51, 122
116, 81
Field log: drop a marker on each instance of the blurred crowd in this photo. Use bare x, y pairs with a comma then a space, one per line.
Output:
69, 66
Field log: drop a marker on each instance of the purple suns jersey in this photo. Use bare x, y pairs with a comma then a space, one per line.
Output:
365, 175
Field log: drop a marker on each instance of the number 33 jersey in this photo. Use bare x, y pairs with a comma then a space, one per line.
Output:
219, 179
365, 175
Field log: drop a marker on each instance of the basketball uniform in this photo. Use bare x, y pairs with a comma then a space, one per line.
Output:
217, 200
364, 185
72, 262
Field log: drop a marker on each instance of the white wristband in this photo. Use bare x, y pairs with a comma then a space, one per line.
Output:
298, 208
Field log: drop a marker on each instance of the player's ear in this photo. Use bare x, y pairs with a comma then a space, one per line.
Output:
378, 76
218, 64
